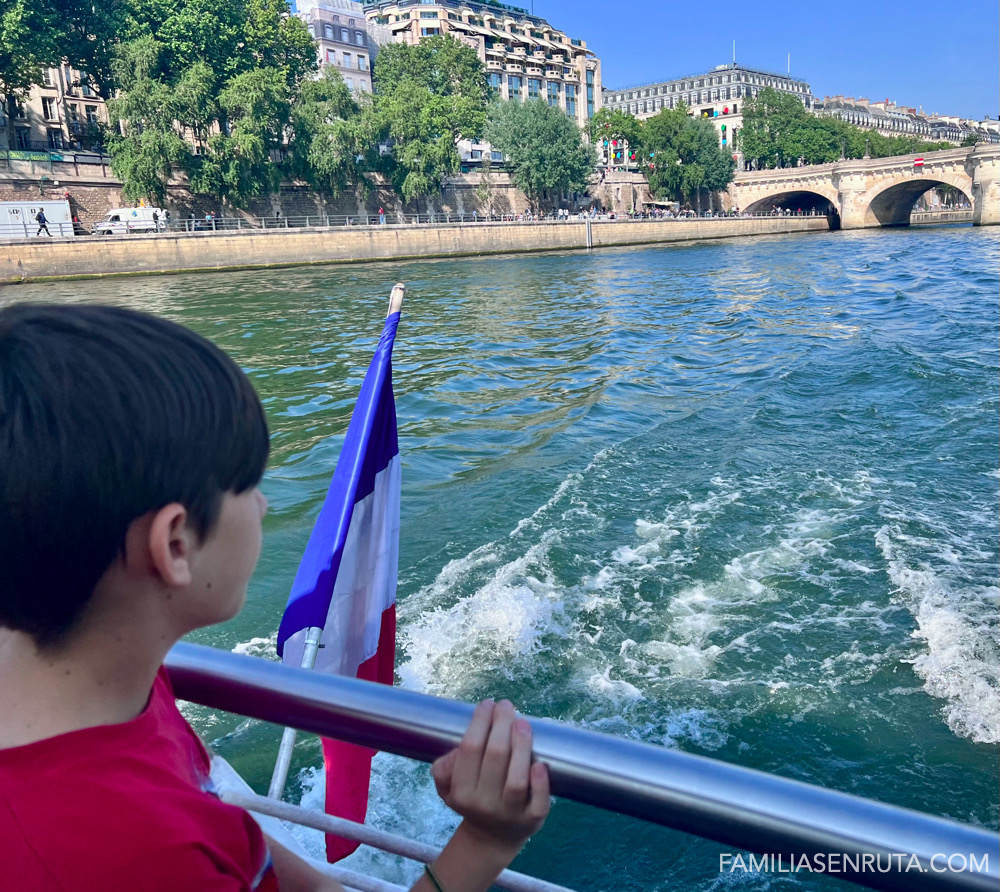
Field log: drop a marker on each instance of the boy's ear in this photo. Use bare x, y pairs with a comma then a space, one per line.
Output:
171, 543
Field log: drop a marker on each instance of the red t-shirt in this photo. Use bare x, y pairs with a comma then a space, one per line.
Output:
124, 807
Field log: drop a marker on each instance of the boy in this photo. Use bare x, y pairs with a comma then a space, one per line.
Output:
130, 454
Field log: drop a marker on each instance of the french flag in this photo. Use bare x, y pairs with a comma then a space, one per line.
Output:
346, 582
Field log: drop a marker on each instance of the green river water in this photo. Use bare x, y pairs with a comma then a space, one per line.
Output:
738, 498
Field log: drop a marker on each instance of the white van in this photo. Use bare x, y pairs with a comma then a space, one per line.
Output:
120, 221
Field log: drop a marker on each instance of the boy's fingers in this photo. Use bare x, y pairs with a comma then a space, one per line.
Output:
540, 803
515, 792
493, 774
469, 755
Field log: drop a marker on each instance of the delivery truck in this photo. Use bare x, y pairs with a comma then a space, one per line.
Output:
18, 219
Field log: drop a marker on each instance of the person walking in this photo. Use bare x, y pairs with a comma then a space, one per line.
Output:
381, 216
42, 223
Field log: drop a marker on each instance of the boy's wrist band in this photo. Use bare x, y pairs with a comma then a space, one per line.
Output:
434, 880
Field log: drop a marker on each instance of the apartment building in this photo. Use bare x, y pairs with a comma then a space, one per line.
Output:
62, 113
889, 119
342, 39
524, 56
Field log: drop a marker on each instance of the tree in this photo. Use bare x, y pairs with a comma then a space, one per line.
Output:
484, 191
29, 43
544, 147
778, 132
616, 124
427, 97
206, 86
684, 156
148, 145
325, 136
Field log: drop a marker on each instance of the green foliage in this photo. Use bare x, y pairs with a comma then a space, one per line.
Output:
427, 97
611, 123
544, 147
206, 86
685, 155
326, 133
29, 42
144, 153
970, 140
778, 131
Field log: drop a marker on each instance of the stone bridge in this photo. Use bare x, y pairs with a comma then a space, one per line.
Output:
876, 191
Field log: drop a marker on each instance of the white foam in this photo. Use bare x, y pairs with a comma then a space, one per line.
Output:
267, 648
502, 621
957, 624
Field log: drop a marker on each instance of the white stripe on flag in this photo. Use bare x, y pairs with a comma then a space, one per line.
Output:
366, 581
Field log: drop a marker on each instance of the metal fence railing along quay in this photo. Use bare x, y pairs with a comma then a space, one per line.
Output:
229, 225
736, 806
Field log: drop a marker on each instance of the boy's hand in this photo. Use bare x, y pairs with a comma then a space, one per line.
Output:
490, 779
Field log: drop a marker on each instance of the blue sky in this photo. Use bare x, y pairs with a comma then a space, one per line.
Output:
942, 56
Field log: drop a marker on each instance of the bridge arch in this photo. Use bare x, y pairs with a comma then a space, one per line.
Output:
820, 199
889, 202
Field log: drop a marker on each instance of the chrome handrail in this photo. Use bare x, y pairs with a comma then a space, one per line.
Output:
742, 807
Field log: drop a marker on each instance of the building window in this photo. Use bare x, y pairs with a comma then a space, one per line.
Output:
91, 112
432, 14
429, 32
312, 31
359, 38
47, 77
331, 57
362, 63
513, 87
534, 88
571, 100
347, 60
49, 109
21, 138
328, 31
496, 81
55, 139
350, 82
345, 35
554, 94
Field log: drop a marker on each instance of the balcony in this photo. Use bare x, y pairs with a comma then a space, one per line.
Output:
534, 69
514, 66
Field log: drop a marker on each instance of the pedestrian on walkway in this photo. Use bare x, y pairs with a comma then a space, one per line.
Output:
42, 224
381, 216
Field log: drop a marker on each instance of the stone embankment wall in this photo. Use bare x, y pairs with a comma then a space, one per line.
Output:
180, 252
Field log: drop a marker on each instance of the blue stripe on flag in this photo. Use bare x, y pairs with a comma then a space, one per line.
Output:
369, 446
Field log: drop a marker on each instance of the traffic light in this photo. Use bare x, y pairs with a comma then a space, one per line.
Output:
631, 156
723, 134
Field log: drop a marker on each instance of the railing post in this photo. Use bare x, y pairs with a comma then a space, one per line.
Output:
284, 760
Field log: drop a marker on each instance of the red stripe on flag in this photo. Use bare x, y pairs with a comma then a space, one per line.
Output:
349, 766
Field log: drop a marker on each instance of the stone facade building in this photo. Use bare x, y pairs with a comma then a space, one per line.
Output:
524, 56
342, 39
62, 113
890, 119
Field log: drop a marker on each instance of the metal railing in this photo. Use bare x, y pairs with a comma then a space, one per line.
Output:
221, 225
28, 229
737, 806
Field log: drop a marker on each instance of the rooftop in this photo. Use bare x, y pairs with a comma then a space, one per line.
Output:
730, 66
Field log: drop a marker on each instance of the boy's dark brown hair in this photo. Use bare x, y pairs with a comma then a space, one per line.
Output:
107, 414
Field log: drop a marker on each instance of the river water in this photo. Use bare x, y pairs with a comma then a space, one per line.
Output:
738, 498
